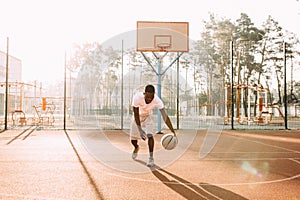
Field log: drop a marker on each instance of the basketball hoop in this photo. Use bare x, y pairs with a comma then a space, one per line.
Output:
163, 46
162, 36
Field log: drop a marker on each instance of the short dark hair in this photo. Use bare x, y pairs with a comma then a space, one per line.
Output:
150, 89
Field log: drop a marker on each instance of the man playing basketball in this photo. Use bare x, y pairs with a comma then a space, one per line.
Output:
142, 125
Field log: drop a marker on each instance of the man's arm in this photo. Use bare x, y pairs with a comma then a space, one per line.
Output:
137, 117
136, 113
167, 120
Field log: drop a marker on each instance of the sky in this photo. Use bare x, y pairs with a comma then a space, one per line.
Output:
41, 31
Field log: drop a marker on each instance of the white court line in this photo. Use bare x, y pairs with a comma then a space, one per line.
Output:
221, 184
265, 137
297, 161
235, 159
252, 152
249, 158
275, 146
197, 184
29, 196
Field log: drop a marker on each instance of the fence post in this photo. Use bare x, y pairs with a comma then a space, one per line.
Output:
285, 89
232, 82
6, 86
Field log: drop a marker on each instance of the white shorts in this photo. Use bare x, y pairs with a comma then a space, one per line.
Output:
147, 126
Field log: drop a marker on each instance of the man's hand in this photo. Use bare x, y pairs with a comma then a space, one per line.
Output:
173, 133
143, 134
138, 122
167, 120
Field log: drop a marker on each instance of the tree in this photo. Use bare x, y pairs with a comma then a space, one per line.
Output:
212, 53
87, 58
205, 51
112, 62
246, 37
292, 52
274, 52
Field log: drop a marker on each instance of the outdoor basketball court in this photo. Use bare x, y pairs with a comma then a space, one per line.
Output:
211, 163
41, 164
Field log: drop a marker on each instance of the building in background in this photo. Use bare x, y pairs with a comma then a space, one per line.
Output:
14, 78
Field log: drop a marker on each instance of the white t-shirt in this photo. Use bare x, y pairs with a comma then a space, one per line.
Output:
146, 109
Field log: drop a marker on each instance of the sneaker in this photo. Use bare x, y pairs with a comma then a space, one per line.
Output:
150, 162
135, 152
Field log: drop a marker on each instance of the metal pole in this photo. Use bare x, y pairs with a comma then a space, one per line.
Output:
159, 74
177, 96
159, 94
6, 86
285, 89
122, 87
65, 91
232, 82
35, 92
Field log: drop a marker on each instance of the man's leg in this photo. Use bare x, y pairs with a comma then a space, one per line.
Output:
151, 148
150, 145
135, 143
136, 148
149, 131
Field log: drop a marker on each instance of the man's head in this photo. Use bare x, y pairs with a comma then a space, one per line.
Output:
149, 93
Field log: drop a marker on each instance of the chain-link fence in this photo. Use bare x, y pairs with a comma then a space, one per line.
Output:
198, 91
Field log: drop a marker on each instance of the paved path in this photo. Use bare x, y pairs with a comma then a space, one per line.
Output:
42, 164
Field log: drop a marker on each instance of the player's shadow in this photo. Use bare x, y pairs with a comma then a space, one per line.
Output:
190, 190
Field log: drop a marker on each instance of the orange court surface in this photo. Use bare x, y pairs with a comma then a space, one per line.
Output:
95, 164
